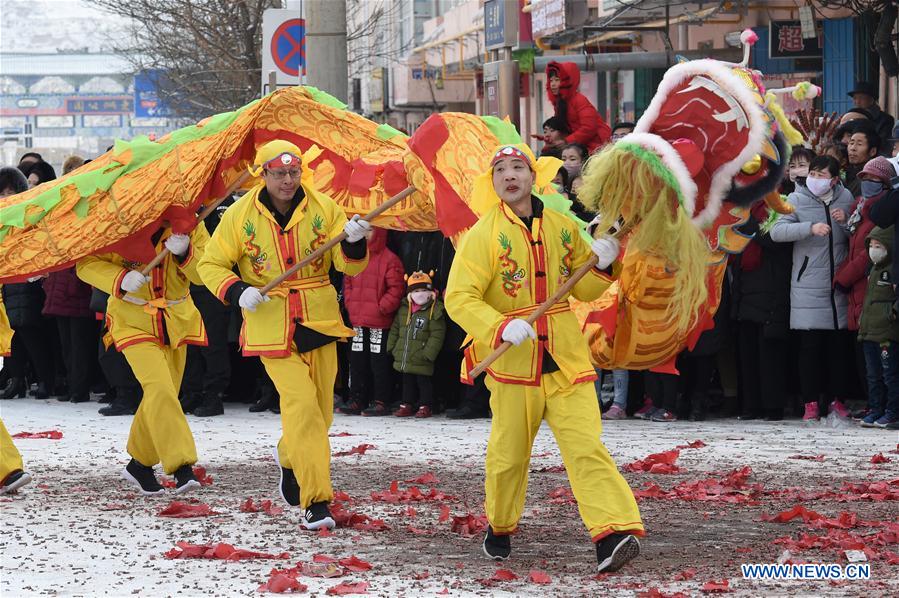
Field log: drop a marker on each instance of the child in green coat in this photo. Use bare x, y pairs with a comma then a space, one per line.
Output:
416, 338
878, 332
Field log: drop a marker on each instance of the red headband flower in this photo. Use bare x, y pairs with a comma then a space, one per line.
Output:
510, 152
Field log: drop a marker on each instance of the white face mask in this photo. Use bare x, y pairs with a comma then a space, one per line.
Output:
877, 254
420, 297
818, 186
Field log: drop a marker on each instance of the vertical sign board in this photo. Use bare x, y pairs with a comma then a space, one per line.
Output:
283, 47
147, 103
501, 24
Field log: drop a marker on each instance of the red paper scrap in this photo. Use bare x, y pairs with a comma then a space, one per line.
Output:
183, 510
342, 589
656, 463
879, 458
356, 450
220, 551
693, 445
538, 577
716, 586
469, 525
49, 434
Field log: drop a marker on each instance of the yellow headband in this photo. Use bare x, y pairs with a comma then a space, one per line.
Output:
273, 149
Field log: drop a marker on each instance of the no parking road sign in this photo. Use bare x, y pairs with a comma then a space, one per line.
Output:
283, 47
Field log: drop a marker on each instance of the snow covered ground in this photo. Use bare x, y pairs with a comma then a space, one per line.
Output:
79, 530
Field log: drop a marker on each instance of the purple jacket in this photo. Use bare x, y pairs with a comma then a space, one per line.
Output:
67, 295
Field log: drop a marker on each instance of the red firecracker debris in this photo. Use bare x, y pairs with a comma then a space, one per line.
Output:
354, 520
419, 531
342, 589
693, 445
220, 551
421, 575
444, 514
395, 495
341, 496
656, 463
880, 458
324, 532
550, 469
539, 577
789, 515
340, 434
265, 506
818, 458
655, 592
561, 495
424, 479
48, 434
685, 575
469, 525
355, 564
183, 510
280, 583
716, 586
356, 450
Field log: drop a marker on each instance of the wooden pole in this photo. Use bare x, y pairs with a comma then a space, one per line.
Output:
544, 307
202, 216
332, 242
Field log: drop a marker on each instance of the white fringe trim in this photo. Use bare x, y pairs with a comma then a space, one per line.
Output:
732, 84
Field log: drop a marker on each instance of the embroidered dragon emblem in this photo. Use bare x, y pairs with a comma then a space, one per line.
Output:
568, 258
318, 229
511, 274
254, 251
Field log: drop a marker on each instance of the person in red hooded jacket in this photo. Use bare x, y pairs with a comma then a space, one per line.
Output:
584, 122
372, 298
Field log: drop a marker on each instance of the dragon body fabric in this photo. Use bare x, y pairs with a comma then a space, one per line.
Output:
711, 143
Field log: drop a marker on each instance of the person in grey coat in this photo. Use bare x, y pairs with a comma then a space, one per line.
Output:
817, 228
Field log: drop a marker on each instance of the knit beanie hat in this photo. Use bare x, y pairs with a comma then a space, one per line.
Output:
419, 280
880, 168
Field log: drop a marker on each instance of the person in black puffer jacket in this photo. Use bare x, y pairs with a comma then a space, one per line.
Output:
761, 306
23, 302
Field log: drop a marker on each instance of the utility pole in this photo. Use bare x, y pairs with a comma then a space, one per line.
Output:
326, 61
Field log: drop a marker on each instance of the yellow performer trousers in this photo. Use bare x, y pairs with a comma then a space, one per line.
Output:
604, 499
305, 382
159, 432
10, 459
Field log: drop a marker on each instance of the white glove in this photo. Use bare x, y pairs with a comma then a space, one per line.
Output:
251, 297
35, 278
606, 249
517, 331
356, 229
133, 281
177, 244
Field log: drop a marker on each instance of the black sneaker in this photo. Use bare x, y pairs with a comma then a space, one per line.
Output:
351, 407
377, 409
317, 516
185, 480
14, 481
288, 486
496, 547
142, 477
615, 550
190, 401
124, 403
466, 412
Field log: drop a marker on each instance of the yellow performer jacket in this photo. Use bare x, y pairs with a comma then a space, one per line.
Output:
249, 236
162, 310
504, 271
5, 330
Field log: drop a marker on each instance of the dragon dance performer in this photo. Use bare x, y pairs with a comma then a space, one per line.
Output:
151, 319
294, 328
12, 474
514, 258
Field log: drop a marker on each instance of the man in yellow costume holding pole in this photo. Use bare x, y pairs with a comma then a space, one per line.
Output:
513, 259
293, 327
151, 319
12, 473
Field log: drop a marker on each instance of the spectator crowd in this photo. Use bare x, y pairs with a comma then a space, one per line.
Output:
807, 327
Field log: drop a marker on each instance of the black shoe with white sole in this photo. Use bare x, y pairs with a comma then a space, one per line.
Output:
142, 477
498, 548
616, 550
185, 480
289, 488
14, 481
318, 516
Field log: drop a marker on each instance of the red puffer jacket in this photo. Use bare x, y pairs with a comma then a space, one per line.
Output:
584, 122
67, 295
853, 274
373, 296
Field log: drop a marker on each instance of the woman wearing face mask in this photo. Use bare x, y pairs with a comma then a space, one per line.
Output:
851, 277
820, 236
